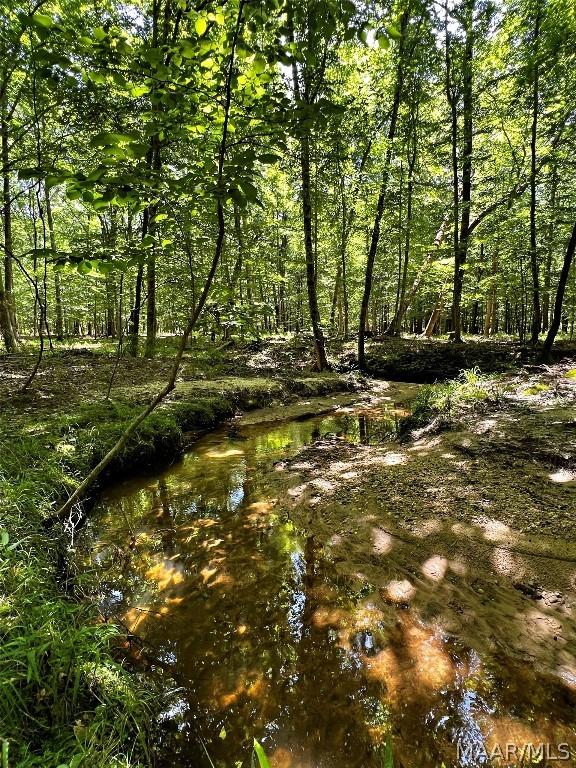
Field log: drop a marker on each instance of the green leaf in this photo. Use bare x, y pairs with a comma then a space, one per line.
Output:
111, 139
393, 32
261, 755
42, 20
222, 733
201, 26
139, 90
383, 42
259, 64
268, 158
4, 538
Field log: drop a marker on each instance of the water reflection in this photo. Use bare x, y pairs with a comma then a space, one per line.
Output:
264, 634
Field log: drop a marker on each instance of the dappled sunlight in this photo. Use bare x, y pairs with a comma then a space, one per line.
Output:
224, 453
500, 731
392, 459
542, 626
165, 574
383, 541
426, 527
563, 476
507, 563
567, 673
399, 591
433, 667
435, 568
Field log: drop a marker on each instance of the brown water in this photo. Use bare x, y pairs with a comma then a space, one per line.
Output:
268, 639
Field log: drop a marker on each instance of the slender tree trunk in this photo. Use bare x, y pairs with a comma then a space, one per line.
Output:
461, 247
549, 250
335, 295
7, 310
150, 307
375, 235
7, 222
489, 316
59, 319
562, 282
534, 267
134, 322
395, 327
306, 192
321, 360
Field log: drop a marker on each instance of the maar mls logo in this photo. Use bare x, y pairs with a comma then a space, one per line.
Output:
512, 755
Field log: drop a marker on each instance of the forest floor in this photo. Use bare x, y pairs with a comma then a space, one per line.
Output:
487, 469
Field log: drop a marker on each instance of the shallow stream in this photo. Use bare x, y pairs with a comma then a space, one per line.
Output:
267, 638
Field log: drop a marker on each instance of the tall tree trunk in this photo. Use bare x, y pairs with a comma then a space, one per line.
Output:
549, 249
335, 295
534, 267
321, 360
7, 308
306, 192
562, 282
490, 314
59, 319
375, 235
150, 306
395, 327
134, 322
461, 247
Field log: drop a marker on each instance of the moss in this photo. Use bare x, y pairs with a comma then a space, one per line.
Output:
536, 389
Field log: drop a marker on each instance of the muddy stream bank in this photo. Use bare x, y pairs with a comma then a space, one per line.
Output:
327, 590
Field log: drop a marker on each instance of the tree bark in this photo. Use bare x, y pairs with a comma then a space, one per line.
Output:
7, 313
534, 267
59, 316
562, 282
549, 250
306, 192
461, 246
375, 235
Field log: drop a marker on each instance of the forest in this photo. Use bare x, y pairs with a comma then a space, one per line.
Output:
287, 301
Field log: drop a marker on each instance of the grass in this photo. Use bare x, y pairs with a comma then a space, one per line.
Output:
64, 698
448, 398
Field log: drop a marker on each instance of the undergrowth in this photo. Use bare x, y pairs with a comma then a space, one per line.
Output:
450, 398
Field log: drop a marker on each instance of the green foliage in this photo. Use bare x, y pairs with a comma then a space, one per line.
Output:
446, 398
260, 756
64, 697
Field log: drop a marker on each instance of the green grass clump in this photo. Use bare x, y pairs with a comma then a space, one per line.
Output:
448, 398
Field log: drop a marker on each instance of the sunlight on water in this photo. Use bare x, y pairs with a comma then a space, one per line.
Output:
263, 635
